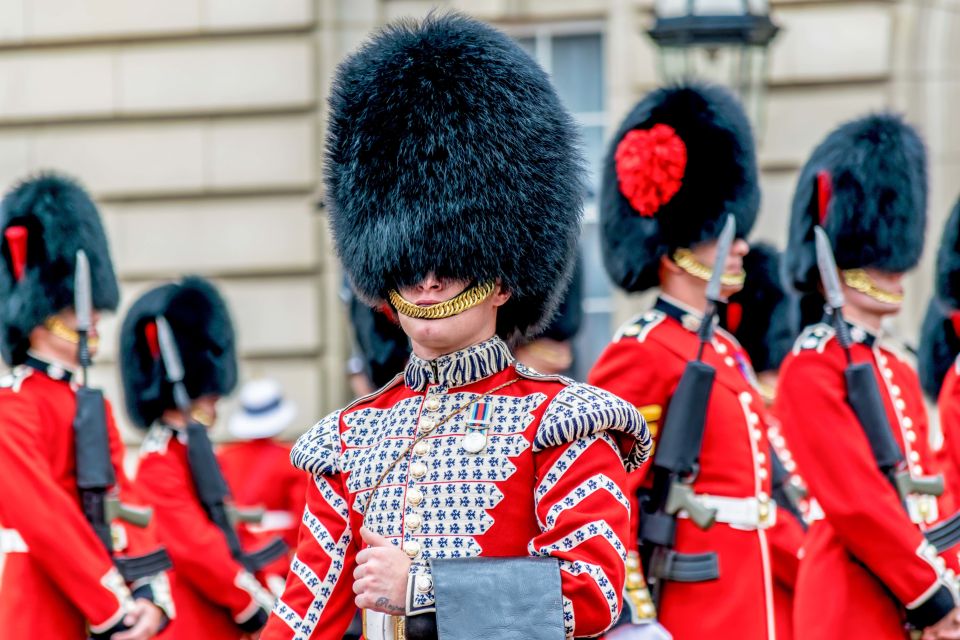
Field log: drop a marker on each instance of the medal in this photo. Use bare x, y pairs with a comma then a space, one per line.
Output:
475, 438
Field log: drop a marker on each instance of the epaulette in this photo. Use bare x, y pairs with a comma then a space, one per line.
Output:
581, 410
814, 338
318, 450
641, 326
14, 379
157, 440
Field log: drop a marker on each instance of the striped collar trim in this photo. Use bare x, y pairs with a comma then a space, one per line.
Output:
460, 368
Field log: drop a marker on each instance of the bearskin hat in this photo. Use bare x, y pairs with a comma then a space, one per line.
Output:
866, 185
200, 322
682, 160
44, 221
759, 315
383, 345
940, 333
939, 346
947, 285
448, 151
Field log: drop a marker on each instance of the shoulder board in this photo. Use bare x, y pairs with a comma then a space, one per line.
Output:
14, 379
641, 326
397, 379
581, 410
318, 450
157, 440
533, 374
814, 338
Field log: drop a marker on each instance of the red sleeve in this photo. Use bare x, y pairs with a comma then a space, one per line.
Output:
649, 388
585, 520
197, 547
317, 601
785, 539
860, 504
49, 518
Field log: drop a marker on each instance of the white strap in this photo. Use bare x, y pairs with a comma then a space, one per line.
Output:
12, 542
740, 513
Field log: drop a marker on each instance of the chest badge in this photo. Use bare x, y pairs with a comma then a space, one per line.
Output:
475, 438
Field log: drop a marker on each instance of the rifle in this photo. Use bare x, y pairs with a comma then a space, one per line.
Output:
863, 390
95, 473
678, 450
208, 480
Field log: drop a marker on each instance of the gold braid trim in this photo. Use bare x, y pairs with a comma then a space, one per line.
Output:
685, 259
466, 299
58, 327
861, 281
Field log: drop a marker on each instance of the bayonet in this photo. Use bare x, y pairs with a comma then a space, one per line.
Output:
83, 308
172, 364
724, 244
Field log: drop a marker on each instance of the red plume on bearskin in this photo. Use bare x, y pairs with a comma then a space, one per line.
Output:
824, 192
16, 237
153, 341
650, 165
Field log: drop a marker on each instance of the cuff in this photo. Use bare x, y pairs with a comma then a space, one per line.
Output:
420, 598
255, 622
932, 609
156, 589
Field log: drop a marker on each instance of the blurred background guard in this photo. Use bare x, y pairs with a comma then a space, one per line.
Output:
214, 587
761, 317
551, 352
258, 471
939, 366
72, 568
381, 348
850, 403
680, 168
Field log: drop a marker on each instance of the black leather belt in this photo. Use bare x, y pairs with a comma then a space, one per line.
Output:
421, 627
686, 567
946, 534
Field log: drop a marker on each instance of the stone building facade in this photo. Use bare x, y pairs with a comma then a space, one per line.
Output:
198, 124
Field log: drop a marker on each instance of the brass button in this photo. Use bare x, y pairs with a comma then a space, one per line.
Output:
411, 548
418, 470
911, 436
721, 348
729, 361
895, 390
424, 584
790, 465
421, 448
745, 396
900, 404
914, 456
413, 521
632, 330
908, 422
433, 404
415, 497
426, 426
762, 474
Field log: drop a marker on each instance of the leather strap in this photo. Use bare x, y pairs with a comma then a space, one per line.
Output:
686, 567
946, 534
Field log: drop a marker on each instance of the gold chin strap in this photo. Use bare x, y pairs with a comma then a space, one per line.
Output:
685, 259
57, 327
860, 280
466, 299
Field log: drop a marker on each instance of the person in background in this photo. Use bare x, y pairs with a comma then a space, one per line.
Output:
214, 588
65, 576
257, 469
681, 167
868, 570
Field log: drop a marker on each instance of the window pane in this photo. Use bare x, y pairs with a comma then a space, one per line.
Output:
578, 71
589, 344
596, 282
593, 151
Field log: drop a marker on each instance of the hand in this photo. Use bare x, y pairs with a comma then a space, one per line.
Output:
380, 579
144, 621
947, 629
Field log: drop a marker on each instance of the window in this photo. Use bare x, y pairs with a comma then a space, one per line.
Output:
573, 55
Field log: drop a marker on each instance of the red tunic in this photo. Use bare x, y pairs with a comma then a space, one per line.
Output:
643, 365
213, 593
867, 563
948, 455
58, 578
547, 482
259, 473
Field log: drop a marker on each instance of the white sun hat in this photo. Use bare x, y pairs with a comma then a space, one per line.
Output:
263, 412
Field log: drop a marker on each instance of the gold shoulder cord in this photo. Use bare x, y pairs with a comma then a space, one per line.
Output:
464, 300
860, 280
685, 259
